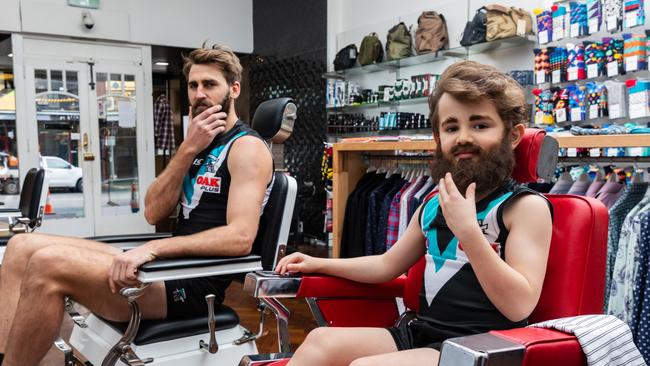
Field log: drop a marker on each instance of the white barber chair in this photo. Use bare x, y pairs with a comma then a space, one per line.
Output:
29, 214
213, 339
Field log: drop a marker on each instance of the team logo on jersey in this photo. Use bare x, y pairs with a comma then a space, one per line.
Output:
209, 184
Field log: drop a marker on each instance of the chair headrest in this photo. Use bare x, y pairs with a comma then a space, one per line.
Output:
274, 119
535, 157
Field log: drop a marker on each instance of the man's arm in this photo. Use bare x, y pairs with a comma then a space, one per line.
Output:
368, 269
251, 167
513, 286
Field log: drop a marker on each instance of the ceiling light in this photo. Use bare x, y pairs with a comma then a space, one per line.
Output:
160, 63
11, 55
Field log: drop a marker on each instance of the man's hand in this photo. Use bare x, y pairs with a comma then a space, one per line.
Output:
124, 269
297, 262
204, 127
459, 211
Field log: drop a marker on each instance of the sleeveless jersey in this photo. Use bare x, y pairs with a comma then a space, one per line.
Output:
204, 199
452, 302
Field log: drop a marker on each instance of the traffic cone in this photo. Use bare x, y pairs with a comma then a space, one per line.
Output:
49, 210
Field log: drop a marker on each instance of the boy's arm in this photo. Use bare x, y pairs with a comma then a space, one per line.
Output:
368, 269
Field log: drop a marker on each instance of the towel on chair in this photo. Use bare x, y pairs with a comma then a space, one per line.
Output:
605, 339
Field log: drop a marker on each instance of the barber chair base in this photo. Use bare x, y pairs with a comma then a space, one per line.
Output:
95, 341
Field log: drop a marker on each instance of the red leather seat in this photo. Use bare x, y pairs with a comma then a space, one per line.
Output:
574, 282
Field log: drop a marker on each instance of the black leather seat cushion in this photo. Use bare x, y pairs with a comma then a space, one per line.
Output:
153, 331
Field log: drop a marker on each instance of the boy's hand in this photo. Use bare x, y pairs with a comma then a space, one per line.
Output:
459, 211
297, 262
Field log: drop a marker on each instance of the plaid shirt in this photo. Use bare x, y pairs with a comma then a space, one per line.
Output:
392, 228
163, 128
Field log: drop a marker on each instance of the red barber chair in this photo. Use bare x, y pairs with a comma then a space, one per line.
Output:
573, 285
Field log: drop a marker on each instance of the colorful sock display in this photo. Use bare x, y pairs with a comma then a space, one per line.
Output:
559, 26
544, 26
575, 62
634, 13
542, 66
634, 52
578, 20
594, 16
594, 59
560, 104
577, 103
613, 49
612, 14
617, 98
558, 58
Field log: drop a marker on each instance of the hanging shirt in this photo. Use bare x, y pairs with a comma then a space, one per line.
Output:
641, 309
452, 301
392, 226
609, 193
163, 127
630, 198
204, 199
594, 187
621, 298
403, 204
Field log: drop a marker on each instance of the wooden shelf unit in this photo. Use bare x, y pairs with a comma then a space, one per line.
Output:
349, 167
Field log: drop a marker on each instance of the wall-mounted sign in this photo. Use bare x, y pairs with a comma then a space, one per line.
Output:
90, 4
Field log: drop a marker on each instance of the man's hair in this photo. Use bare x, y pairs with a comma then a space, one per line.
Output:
470, 81
219, 55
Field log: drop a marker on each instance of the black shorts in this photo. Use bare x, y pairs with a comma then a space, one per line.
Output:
418, 334
186, 298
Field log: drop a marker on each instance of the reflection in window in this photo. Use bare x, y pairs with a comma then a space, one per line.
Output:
9, 163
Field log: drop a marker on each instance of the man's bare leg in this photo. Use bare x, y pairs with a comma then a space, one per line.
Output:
341, 346
55, 272
19, 250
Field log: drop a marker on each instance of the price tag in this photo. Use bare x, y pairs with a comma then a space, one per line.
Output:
560, 115
539, 118
637, 110
612, 151
571, 152
575, 30
593, 25
630, 19
573, 73
540, 77
612, 68
353, 53
521, 27
592, 71
543, 37
614, 111
634, 151
594, 153
556, 76
593, 111
611, 23
576, 114
558, 33
632, 63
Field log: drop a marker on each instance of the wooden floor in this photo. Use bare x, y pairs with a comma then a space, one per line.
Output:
300, 322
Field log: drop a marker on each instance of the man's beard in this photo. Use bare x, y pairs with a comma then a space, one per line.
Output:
202, 104
488, 169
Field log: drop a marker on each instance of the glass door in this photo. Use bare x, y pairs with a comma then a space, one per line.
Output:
88, 123
60, 113
118, 114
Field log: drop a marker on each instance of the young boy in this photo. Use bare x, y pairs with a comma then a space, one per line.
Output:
485, 238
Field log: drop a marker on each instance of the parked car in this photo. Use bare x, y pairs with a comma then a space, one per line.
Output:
62, 174
9, 174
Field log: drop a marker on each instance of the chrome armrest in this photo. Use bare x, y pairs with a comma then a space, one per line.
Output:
480, 350
264, 359
268, 284
184, 268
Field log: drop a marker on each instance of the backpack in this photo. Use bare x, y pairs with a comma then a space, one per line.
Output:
475, 29
399, 42
499, 23
370, 50
521, 15
346, 57
431, 34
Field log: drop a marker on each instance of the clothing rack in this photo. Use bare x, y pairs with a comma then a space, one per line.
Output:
636, 161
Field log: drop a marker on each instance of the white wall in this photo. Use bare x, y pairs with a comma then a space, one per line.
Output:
159, 22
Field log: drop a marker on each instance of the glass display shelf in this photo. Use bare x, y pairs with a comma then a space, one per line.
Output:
389, 104
458, 52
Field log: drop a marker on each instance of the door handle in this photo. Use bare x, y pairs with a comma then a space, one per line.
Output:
88, 156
